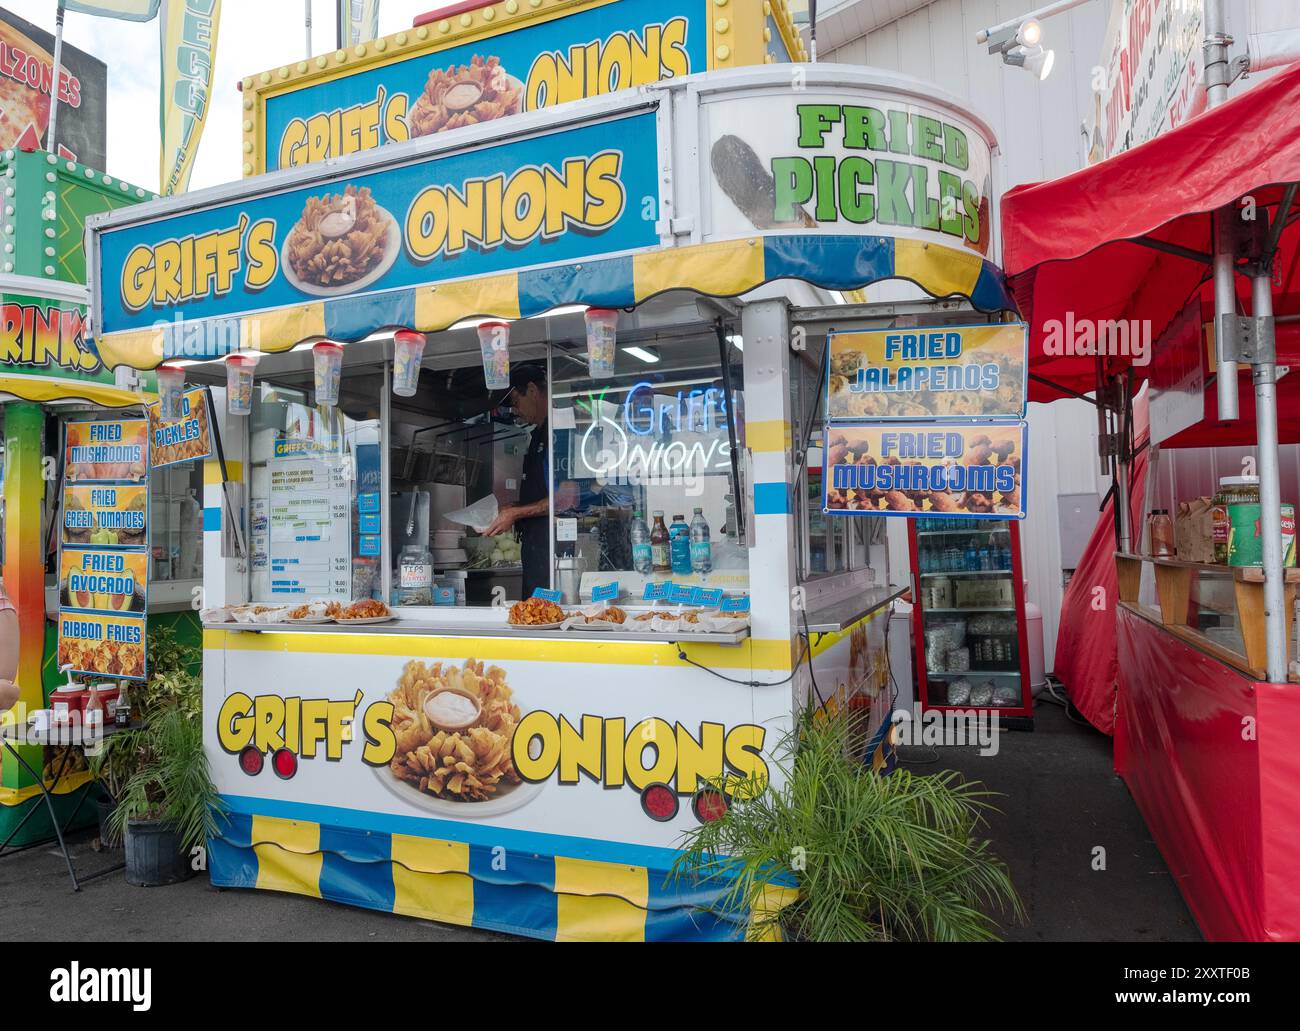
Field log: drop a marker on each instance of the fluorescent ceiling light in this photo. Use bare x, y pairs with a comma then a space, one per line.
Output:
647, 356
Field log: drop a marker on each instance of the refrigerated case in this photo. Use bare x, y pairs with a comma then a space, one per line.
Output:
972, 650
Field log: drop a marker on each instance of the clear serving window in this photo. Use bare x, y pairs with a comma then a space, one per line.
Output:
315, 488
643, 479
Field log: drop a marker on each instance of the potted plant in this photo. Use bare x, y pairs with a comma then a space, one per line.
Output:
164, 802
854, 856
169, 805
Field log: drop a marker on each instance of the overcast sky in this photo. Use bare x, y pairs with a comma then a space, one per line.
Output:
255, 35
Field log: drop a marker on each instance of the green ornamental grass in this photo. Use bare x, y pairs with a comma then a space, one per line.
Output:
872, 858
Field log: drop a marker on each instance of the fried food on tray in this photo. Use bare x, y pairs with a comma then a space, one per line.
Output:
367, 608
299, 612
465, 766
534, 611
463, 95
610, 614
339, 239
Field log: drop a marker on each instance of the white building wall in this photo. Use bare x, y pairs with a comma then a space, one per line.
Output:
1038, 127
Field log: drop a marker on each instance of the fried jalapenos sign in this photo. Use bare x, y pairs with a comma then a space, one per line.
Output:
952, 372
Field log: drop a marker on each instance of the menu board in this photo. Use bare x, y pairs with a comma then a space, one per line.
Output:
103, 549
309, 526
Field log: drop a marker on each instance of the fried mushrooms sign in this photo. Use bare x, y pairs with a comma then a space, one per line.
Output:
926, 469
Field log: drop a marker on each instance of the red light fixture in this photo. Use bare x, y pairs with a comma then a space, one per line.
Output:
251, 760
659, 802
285, 763
709, 804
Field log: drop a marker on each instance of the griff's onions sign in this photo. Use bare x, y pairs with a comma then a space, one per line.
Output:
553, 198
527, 63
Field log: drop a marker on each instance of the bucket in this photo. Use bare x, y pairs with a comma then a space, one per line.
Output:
602, 333
408, 350
327, 363
494, 344
107, 838
154, 856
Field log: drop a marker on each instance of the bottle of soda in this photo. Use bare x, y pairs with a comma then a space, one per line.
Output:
661, 559
679, 541
701, 550
642, 553
122, 712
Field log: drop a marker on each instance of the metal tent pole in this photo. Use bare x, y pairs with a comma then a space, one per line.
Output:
1270, 490
1218, 76
54, 81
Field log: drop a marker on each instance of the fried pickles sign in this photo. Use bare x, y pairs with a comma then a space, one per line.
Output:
813, 163
553, 198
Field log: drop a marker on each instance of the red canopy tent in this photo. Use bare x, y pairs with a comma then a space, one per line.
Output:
1131, 238
1086, 246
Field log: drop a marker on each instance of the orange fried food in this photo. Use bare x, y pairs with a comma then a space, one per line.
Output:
535, 611
317, 255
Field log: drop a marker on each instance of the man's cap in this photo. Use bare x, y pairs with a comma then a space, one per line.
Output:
520, 377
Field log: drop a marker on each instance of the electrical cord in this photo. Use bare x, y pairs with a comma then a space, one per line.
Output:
681, 654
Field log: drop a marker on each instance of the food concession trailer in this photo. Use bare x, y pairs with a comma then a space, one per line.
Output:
461, 761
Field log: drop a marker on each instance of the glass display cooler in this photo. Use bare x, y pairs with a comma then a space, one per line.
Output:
969, 618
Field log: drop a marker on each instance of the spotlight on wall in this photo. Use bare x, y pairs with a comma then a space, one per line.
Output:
1035, 60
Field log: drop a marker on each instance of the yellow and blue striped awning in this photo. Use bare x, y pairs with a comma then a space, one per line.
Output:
725, 269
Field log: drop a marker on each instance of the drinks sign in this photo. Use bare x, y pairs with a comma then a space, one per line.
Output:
951, 372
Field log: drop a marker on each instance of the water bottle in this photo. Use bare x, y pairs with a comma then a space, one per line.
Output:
642, 555
701, 550
679, 545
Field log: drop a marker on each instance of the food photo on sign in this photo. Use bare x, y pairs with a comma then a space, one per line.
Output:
184, 440
926, 469
107, 450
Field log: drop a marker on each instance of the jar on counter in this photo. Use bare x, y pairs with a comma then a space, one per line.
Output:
1233, 491
1161, 533
415, 576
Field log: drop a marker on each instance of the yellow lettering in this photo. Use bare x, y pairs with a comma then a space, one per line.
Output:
698, 760
395, 128
605, 189
137, 277
263, 257
292, 142
744, 752
524, 205
234, 723
315, 711
540, 726
426, 224
657, 735
381, 742
268, 714
580, 752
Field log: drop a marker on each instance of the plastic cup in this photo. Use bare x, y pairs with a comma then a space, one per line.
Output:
327, 362
408, 350
602, 335
171, 388
239, 384
494, 342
